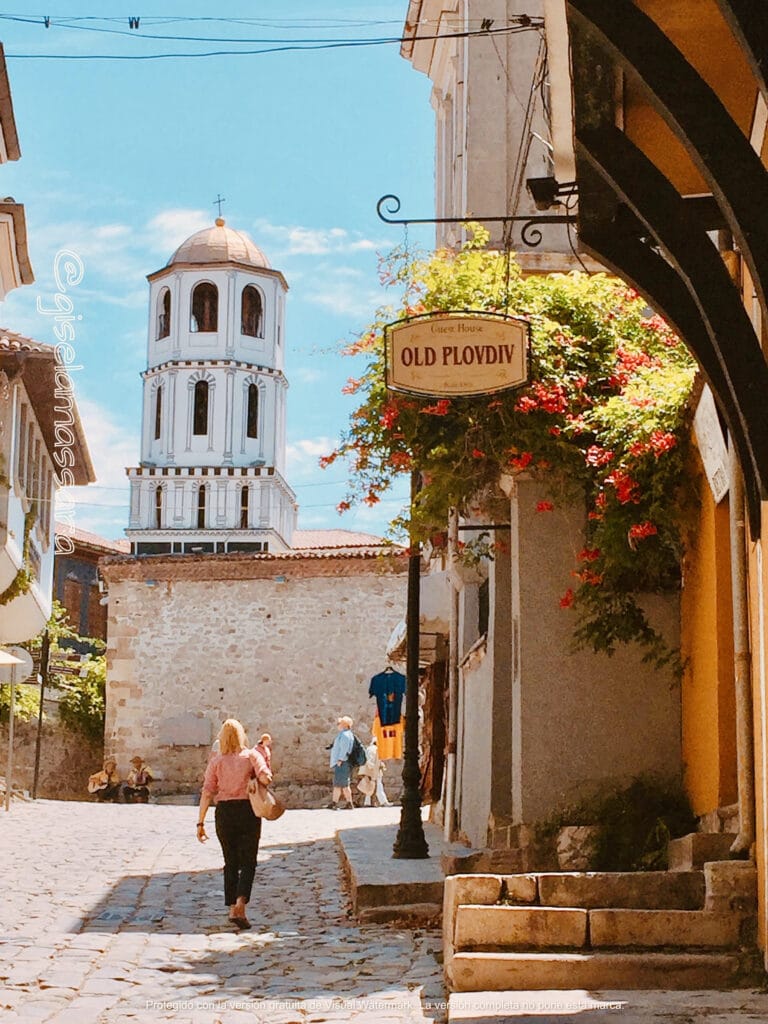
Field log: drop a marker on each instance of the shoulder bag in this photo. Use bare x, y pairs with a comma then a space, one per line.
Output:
264, 802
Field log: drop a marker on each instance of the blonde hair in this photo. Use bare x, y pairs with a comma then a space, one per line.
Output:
232, 738
347, 721
265, 738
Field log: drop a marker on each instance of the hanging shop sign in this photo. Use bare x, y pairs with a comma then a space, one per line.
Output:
456, 353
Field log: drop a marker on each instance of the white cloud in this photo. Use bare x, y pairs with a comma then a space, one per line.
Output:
302, 456
297, 240
346, 297
169, 228
306, 375
103, 507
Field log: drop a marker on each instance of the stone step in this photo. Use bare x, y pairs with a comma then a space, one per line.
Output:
483, 928
693, 851
638, 890
498, 972
479, 927
659, 928
406, 915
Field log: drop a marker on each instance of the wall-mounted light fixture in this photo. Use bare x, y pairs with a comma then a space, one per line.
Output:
549, 192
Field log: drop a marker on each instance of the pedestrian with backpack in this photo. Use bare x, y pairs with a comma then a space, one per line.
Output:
341, 765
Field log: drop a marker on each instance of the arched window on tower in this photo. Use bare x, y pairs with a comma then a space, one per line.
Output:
252, 424
205, 308
202, 495
158, 412
164, 314
251, 313
200, 411
244, 507
159, 508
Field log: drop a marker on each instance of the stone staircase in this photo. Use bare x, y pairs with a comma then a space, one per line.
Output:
682, 929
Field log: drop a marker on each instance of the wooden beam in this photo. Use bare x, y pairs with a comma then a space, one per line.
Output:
748, 20
743, 380
715, 143
638, 263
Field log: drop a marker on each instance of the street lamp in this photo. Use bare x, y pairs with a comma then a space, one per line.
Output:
410, 843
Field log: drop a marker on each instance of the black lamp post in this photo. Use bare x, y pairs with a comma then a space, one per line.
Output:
410, 843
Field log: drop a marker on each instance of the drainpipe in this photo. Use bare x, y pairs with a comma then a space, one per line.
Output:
453, 684
745, 756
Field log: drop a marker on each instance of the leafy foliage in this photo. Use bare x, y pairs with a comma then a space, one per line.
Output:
82, 704
635, 824
603, 416
27, 703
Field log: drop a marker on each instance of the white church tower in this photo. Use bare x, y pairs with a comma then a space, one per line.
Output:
211, 475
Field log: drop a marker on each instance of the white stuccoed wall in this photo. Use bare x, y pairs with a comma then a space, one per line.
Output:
283, 657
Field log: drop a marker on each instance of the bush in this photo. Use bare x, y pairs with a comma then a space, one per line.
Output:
82, 705
27, 703
635, 824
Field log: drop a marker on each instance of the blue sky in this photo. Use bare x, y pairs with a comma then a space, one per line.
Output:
122, 160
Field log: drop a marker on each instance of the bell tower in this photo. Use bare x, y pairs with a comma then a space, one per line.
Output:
211, 475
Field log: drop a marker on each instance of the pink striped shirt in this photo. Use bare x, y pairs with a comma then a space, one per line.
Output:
227, 775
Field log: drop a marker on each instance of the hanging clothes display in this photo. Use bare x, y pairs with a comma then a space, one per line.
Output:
388, 687
389, 739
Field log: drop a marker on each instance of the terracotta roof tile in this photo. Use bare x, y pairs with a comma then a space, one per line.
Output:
241, 566
317, 540
93, 540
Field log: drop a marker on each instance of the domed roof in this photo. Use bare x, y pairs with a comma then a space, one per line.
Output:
219, 244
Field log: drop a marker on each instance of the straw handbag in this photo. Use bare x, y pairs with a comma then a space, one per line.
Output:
264, 802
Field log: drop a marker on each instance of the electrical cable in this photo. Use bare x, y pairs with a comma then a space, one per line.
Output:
285, 47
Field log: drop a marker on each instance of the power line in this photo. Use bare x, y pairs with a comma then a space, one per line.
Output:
286, 47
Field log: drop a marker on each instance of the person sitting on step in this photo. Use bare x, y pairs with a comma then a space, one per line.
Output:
136, 789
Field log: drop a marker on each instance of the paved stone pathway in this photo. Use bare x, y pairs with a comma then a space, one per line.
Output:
112, 914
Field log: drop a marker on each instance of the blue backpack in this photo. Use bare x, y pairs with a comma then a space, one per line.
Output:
356, 756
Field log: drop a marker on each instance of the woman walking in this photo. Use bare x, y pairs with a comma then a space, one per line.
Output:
237, 827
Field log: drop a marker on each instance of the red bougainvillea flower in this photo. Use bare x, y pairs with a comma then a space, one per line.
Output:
550, 397
661, 441
522, 460
353, 384
343, 506
371, 498
594, 579
567, 599
597, 456
526, 404
638, 531
477, 454
589, 554
389, 415
327, 460
626, 487
555, 431
544, 506
441, 408
400, 460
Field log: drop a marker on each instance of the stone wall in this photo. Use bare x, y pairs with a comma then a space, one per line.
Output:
66, 760
286, 646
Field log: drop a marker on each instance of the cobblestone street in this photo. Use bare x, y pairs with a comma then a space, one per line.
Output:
115, 913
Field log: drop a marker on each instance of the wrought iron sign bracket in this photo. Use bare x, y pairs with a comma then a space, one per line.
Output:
530, 233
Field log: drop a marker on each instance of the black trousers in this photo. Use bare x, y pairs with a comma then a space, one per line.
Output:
238, 830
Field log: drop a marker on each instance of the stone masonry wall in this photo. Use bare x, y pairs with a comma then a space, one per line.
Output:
66, 760
286, 654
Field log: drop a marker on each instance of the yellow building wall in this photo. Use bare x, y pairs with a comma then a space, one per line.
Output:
708, 702
758, 594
